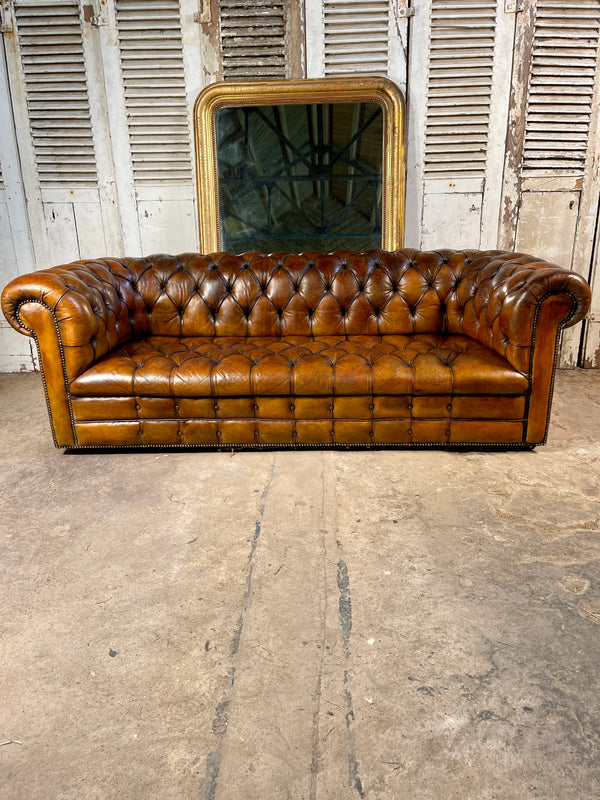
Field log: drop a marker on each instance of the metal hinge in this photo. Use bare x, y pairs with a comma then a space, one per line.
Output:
513, 6
6, 27
404, 10
91, 18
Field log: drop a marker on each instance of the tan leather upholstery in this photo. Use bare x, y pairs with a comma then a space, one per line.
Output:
373, 348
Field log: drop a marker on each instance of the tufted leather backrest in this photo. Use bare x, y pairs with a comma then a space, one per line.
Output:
316, 294
492, 296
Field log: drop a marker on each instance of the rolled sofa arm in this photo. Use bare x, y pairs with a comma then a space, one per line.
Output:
76, 313
497, 299
517, 305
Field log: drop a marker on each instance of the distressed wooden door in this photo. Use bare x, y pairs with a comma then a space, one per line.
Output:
16, 254
551, 181
59, 107
151, 67
458, 93
103, 107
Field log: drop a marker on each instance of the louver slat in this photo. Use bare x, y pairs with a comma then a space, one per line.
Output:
565, 48
252, 39
51, 50
154, 81
461, 62
356, 36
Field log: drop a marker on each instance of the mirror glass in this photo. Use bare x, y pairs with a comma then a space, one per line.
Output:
300, 165
298, 177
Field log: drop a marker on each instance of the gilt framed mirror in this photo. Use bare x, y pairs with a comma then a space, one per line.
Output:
293, 166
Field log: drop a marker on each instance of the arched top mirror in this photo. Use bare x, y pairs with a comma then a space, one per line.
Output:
300, 165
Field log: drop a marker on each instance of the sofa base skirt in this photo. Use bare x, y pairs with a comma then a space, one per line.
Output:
300, 421
273, 433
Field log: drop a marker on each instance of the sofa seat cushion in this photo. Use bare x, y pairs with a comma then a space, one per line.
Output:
423, 364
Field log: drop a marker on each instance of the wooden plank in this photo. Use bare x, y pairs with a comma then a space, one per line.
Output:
8, 256
62, 233
117, 121
547, 224
417, 89
90, 226
167, 226
499, 109
107, 176
17, 353
452, 220
551, 183
591, 343
515, 136
454, 186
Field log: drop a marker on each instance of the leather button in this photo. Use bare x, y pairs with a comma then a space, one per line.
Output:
410, 406
410, 431
216, 406
137, 406
371, 407
449, 406
179, 434
371, 434
176, 406
292, 407
256, 406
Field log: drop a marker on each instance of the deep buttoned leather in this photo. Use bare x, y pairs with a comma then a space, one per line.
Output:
300, 365
314, 325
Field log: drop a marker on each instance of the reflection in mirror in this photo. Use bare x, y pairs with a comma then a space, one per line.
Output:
300, 177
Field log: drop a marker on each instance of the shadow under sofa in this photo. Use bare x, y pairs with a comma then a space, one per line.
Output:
404, 348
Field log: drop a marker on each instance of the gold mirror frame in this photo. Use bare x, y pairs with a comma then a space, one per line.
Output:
306, 92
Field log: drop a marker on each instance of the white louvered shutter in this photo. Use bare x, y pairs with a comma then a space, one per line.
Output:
151, 59
66, 172
561, 86
459, 83
459, 88
356, 36
350, 38
551, 182
51, 45
151, 54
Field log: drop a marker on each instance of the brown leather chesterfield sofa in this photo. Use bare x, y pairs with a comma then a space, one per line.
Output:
379, 348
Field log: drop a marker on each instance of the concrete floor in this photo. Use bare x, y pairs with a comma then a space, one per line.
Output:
308, 625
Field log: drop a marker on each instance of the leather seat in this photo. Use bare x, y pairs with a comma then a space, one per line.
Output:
196, 366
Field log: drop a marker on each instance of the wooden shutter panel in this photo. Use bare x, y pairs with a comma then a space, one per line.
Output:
151, 55
459, 88
551, 184
356, 36
561, 86
53, 67
253, 39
